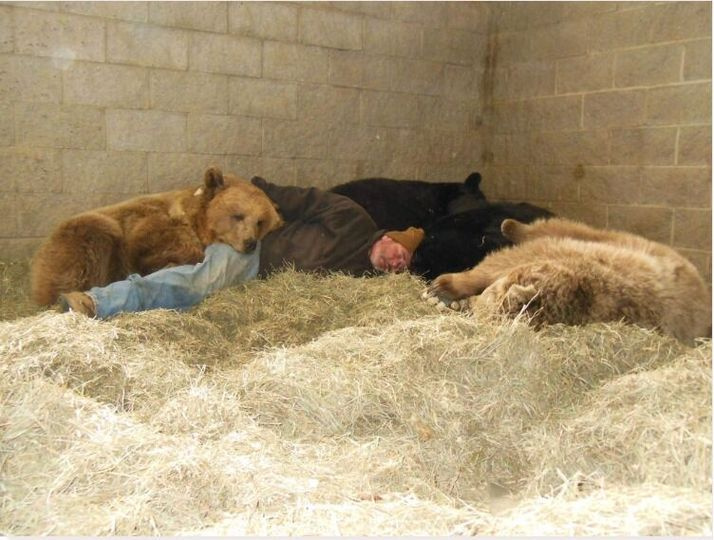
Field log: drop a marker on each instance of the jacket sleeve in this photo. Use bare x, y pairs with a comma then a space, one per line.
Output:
322, 231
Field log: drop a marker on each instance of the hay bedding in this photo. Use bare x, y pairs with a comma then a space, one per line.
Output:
335, 405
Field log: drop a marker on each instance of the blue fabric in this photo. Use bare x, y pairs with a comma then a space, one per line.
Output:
177, 287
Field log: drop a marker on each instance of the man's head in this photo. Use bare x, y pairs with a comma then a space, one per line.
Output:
393, 251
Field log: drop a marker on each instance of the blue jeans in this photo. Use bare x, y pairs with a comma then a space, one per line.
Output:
177, 287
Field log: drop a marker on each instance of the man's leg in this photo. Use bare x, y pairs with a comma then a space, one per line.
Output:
177, 287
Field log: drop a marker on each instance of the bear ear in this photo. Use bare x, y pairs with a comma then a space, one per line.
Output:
213, 181
473, 181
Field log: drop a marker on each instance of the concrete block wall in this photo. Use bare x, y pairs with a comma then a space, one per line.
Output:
101, 101
602, 112
598, 110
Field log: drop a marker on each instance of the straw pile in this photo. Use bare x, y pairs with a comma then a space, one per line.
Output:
336, 405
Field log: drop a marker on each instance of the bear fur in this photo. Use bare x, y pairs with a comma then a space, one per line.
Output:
399, 204
147, 233
456, 242
561, 271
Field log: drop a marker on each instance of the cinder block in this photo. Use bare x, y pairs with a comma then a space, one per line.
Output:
265, 20
145, 45
146, 131
433, 14
330, 29
30, 170
90, 171
559, 183
448, 114
128, 11
651, 222
68, 126
648, 66
676, 186
620, 29
462, 81
392, 168
329, 105
451, 147
681, 20
358, 143
409, 145
454, 47
324, 173
693, 228
525, 80
647, 146
382, 10
698, 60
279, 171
106, 85
294, 62
684, 104
614, 109
392, 38
226, 54
209, 16
38, 213
578, 10
8, 219
417, 76
592, 214
472, 16
189, 91
291, 139
585, 73
391, 109
553, 113
353, 68
619, 185
564, 147
219, 134
168, 171
41, 33
558, 41
263, 98
24, 78
7, 124
7, 32
694, 146
510, 48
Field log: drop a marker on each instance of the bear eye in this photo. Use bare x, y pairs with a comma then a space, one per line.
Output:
260, 223
238, 217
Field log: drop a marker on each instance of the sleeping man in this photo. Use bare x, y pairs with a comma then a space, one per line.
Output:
323, 231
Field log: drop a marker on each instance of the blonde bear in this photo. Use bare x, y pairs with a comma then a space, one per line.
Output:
560, 271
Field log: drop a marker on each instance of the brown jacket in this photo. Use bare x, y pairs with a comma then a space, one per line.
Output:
323, 231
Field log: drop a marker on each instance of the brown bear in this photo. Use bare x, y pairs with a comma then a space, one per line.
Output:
561, 271
147, 233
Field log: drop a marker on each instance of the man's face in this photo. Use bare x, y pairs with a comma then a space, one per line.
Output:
389, 256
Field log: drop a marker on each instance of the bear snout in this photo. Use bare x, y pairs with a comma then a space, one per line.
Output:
250, 245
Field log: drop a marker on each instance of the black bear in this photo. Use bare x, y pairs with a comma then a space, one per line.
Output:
458, 241
398, 204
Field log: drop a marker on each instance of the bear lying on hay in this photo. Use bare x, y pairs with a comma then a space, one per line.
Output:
147, 233
399, 204
561, 271
458, 241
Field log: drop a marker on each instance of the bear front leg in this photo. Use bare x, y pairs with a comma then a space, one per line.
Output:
460, 285
515, 231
